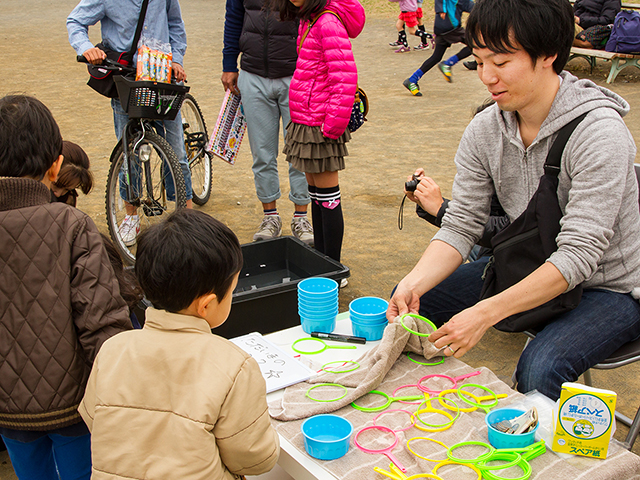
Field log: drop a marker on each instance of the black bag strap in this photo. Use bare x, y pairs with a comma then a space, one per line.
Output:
552, 162
136, 37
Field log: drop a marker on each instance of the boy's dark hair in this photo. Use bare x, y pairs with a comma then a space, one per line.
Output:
75, 168
189, 255
288, 11
542, 27
30, 140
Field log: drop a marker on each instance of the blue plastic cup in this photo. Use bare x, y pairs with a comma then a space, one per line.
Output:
368, 310
368, 331
317, 286
368, 320
326, 437
508, 440
324, 326
324, 303
318, 314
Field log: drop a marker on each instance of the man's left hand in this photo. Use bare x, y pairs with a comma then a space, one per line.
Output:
178, 72
462, 332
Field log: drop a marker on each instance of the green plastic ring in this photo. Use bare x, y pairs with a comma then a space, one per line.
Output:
374, 409
512, 459
419, 317
424, 363
523, 464
357, 366
326, 385
485, 407
431, 409
482, 457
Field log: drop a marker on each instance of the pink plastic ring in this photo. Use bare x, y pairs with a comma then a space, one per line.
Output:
435, 392
413, 419
404, 401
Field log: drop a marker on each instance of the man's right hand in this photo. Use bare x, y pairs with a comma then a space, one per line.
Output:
230, 82
94, 55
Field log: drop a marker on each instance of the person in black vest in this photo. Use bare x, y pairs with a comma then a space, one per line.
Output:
268, 48
595, 18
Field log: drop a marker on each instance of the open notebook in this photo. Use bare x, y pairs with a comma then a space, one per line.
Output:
278, 368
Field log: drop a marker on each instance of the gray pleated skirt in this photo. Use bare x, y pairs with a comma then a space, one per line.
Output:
311, 152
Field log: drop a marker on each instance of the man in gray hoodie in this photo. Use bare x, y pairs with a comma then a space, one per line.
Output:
521, 47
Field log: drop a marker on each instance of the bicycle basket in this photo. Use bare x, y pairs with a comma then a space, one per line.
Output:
157, 101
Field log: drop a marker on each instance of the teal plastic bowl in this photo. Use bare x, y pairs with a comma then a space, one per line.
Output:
508, 440
317, 286
368, 307
324, 326
318, 301
326, 437
368, 331
318, 314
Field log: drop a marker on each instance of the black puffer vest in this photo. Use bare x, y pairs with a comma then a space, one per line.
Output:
268, 45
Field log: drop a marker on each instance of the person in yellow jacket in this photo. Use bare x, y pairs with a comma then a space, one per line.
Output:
173, 400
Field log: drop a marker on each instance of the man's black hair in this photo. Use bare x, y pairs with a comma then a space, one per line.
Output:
288, 11
542, 27
189, 255
30, 140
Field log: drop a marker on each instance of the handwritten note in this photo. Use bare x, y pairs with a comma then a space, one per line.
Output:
278, 368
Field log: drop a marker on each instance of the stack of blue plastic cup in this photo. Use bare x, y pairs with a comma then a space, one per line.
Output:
368, 317
318, 304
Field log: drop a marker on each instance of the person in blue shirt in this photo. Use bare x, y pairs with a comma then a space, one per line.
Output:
118, 20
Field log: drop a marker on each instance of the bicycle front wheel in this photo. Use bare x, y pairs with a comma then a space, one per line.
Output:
144, 194
195, 140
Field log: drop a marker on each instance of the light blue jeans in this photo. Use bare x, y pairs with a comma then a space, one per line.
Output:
265, 101
51, 457
172, 131
565, 348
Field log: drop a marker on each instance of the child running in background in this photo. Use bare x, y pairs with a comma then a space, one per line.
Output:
409, 17
321, 98
173, 400
74, 173
59, 301
448, 30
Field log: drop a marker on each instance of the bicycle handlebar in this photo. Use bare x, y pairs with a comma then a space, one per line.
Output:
107, 64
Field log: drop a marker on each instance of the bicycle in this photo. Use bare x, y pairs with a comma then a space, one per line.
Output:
195, 141
145, 178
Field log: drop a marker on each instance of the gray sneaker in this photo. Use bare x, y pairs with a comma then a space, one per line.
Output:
302, 230
271, 227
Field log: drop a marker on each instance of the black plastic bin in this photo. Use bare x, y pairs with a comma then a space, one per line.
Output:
266, 298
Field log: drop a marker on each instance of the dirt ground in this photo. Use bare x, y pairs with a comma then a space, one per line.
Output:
403, 132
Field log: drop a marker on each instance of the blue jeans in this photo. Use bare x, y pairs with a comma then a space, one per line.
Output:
172, 131
51, 457
565, 348
265, 101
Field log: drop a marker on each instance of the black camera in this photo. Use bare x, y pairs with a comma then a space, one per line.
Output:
412, 184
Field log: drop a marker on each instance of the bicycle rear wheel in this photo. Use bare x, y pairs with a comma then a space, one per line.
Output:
195, 140
154, 189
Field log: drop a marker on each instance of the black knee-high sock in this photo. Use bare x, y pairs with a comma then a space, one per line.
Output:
332, 220
316, 220
421, 27
402, 37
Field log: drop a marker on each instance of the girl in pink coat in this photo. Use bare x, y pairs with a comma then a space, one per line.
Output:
321, 97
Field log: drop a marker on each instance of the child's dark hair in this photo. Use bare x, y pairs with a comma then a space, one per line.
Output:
30, 140
189, 255
288, 11
542, 27
127, 281
75, 169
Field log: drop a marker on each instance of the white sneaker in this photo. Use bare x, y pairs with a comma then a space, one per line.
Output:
271, 227
343, 282
129, 229
302, 230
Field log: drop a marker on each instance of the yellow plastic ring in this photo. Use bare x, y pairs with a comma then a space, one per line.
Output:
468, 465
424, 475
455, 390
425, 438
434, 429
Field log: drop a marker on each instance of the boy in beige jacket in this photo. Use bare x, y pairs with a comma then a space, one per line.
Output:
172, 400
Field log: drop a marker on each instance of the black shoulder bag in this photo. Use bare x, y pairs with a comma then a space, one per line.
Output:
100, 79
528, 242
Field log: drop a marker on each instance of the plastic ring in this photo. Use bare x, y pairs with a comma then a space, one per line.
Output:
426, 320
501, 456
413, 419
480, 458
425, 438
357, 366
424, 475
373, 409
425, 427
523, 464
405, 401
307, 394
423, 363
442, 394
486, 407
468, 465
442, 412
436, 375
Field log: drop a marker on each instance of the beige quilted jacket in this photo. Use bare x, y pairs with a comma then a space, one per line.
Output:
174, 401
59, 301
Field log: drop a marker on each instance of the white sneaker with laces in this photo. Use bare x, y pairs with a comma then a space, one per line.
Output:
271, 227
129, 229
302, 230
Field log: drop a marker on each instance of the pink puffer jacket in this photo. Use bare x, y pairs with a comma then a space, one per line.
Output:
325, 81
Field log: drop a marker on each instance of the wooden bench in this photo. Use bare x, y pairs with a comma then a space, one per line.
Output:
619, 61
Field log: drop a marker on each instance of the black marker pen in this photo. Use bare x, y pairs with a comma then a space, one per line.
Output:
339, 338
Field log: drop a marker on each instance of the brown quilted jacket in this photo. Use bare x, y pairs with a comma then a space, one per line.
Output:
59, 301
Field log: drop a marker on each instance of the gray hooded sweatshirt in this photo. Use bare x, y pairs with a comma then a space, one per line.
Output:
599, 241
